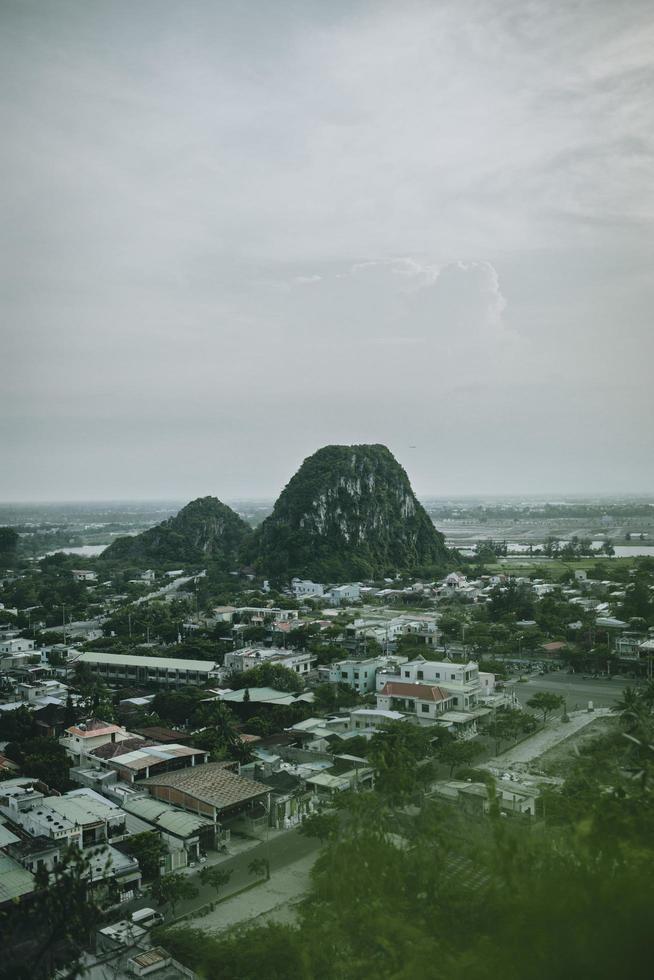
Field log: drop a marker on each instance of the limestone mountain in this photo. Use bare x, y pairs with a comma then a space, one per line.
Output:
205, 529
349, 512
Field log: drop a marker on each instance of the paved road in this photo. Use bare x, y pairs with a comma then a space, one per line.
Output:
281, 851
576, 691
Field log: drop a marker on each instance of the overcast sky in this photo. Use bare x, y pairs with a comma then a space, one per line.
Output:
232, 232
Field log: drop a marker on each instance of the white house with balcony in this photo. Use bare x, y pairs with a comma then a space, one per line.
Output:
460, 680
426, 702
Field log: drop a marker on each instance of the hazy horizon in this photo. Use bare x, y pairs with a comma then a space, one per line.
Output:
553, 497
233, 234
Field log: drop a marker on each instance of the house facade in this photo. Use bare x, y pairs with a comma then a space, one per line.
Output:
425, 701
461, 681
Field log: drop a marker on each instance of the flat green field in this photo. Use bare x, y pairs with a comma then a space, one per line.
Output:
553, 568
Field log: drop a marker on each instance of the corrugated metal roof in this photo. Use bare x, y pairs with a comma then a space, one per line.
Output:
142, 758
129, 660
14, 879
6, 837
166, 817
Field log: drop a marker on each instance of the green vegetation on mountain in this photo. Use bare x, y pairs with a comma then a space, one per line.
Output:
204, 530
349, 512
8, 544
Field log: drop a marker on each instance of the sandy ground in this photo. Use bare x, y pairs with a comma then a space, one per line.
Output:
557, 731
271, 901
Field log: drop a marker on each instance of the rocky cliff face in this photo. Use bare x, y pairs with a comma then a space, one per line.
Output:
205, 529
349, 512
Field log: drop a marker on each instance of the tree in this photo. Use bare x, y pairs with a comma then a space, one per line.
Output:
331, 697
396, 752
176, 707
43, 758
215, 877
634, 707
221, 735
459, 753
171, 889
260, 866
546, 702
324, 826
51, 932
148, 849
8, 544
268, 675
17, 726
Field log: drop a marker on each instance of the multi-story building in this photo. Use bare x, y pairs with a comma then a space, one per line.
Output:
303, 588
16, 644
361, 675
115, 668
80, 740
339, 595
461, 681
426, 701
300, 661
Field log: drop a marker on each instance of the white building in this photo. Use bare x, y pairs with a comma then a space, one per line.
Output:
117, 667
460, 680
425, 701
341, 594
304, 588
370, 719
80, 740
299, 661
18, 644
361, 675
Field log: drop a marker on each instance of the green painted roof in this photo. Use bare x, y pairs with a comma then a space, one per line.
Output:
14, 879
167, 818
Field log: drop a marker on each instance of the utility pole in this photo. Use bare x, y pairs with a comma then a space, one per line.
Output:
63, 618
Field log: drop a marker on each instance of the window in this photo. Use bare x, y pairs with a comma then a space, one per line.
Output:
424, 708
344, 674
407, 673
452, 677
356, 676
456, 701
420, 675
438, 676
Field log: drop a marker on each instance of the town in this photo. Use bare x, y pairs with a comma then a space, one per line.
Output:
178, 745
326, 490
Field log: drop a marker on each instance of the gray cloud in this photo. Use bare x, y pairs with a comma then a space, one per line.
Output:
233, 233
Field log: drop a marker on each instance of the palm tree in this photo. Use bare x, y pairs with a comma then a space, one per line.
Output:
632, 708
647, 695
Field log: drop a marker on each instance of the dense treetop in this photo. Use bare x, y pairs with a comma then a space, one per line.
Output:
204, 529
349, 512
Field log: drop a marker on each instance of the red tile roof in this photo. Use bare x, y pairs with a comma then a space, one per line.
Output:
421, 692
93, 727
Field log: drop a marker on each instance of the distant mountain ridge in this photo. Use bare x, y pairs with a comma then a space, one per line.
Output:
349, 512
204, 529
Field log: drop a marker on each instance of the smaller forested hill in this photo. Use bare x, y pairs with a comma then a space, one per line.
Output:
205, 529
349, 512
